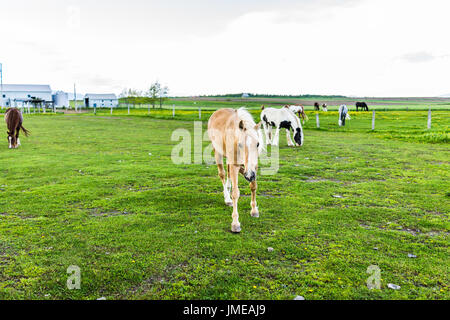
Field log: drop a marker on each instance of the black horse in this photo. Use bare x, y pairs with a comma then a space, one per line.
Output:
362, 105
316, 106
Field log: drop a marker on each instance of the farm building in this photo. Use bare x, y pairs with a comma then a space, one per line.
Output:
19, 95
61, 99
108, 100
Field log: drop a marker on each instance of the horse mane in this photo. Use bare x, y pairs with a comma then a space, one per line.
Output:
250, 124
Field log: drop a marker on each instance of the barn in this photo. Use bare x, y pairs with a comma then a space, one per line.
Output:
93, 100
19, 95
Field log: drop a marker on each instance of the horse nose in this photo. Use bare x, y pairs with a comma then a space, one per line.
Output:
250, 177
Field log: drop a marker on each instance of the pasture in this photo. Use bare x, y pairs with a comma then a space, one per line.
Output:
102, 193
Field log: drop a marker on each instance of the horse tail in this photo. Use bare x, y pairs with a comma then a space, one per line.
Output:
25, 131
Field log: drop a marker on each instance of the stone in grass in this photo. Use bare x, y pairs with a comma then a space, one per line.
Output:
337, 196
102, 298
410, 255
393, 286
270, 249
299, 298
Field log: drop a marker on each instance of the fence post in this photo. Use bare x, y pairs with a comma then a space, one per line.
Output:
317, 120
199, 113
173, 111
111, 110
373, 120
95, 111
429, 119
128, 108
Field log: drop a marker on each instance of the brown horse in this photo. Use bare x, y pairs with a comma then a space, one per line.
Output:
14, 120
316, 106
235, 136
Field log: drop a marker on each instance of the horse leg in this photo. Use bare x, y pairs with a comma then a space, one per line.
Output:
270, 134
253, 187
17, 137
288, 138
266, 132
222, 175
235, 225
276, 138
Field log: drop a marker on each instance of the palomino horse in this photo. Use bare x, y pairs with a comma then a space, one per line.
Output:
282, 118
235, 135
14, 120
300, 110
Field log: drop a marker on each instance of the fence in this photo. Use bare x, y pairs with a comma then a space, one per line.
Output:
28, 109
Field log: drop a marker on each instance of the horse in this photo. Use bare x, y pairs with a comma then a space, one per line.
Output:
300, 110
316, 106
282, 118
325, 107
14, 120
343, 115
235, 135
362, 105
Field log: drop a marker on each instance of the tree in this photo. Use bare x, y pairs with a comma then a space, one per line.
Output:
153, 92
157, 91
164, 91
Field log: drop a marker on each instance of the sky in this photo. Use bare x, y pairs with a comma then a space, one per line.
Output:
390, 48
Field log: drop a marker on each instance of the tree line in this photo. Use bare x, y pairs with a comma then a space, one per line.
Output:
156, 94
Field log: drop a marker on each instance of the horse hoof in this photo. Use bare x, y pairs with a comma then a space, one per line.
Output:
255, 214
230, 204
235, 228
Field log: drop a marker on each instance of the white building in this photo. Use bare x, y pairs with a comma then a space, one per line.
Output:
61, 99
19, 95
92, 100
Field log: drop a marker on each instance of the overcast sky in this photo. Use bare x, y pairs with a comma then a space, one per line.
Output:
349, 47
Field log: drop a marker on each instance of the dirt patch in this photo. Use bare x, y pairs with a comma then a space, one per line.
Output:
99, 212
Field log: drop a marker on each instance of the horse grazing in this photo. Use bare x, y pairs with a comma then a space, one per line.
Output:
235, 135
316, 106
343, 115
14, 120
325, 107
300, 110
362, 105
282, 118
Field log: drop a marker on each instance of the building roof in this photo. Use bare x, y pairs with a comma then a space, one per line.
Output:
26, 88
105, 96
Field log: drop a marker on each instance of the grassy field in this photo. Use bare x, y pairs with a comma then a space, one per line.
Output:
101, 192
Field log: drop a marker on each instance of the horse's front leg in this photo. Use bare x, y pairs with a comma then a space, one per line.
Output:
288, 138
234, 171
222, 176
253, 187
276, 138
267, 134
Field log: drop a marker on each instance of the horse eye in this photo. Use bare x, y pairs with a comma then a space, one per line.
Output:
257, 145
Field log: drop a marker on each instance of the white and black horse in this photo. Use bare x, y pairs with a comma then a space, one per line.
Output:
343, 115
282, 118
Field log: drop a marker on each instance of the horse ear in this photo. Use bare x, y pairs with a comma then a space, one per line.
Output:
241, 125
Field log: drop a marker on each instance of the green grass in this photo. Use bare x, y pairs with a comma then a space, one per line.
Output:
102, 193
